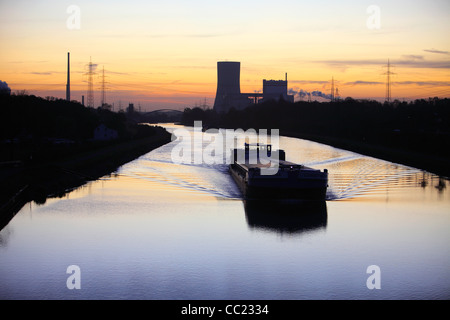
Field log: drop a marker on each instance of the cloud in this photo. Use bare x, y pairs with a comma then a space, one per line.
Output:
407, 61
204, 35
417, 83
425, 83
350, 63
91, 67
42, 73
412, 57
194, 67
308, 81
437, 51
169, 35
361, 82
29, 61
443, 64
118, 73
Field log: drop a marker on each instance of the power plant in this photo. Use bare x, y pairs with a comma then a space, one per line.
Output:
228, 94
276, 90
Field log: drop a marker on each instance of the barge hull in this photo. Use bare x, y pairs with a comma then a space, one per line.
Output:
252, 191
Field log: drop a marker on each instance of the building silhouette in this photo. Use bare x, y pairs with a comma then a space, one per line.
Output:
228, 94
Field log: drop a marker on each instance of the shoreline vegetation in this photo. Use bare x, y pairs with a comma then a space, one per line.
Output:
415, 134
48, 148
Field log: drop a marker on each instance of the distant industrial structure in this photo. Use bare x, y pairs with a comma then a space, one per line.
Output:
103, 89
228, 94
90, 91
276, 90
68, 78
388, 82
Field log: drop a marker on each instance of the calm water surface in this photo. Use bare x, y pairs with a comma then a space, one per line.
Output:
157, 230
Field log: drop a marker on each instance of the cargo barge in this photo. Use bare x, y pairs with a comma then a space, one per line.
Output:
289, 181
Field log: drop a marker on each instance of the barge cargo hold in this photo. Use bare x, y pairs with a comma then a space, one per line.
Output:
290, 181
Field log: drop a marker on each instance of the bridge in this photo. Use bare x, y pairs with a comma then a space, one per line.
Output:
162, 111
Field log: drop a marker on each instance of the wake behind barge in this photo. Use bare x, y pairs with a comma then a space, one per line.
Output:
290, 182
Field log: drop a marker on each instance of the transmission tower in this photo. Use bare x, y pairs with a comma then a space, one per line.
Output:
388, 82
90, 93
332, 88
103, 88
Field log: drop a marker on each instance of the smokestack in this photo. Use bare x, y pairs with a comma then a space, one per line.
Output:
286, 76
68, 77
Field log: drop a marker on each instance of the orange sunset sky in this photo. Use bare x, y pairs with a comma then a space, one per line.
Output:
163, 54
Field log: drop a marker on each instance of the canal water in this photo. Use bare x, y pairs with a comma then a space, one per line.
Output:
160, 230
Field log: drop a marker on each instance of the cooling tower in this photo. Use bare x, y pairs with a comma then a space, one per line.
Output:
228, 86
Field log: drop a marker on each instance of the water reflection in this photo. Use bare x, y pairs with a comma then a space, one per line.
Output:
5, 234
437, 183
441, 184
286, 218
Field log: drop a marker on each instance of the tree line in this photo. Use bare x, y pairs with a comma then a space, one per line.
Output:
28, 125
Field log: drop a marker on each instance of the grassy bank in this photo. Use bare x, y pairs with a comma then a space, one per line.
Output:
38, 181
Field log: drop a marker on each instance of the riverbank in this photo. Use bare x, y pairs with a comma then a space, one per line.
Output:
430, 163
22, 183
